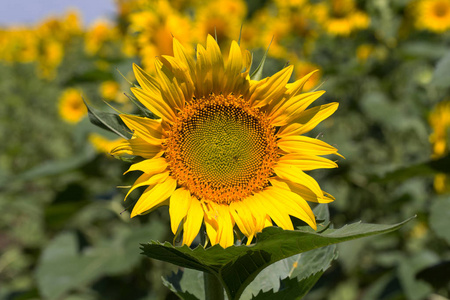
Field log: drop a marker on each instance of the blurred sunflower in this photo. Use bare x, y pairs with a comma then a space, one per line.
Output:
340, 17
227, 150
151, 27
102, 144
220, 18
440, 124
433, 15
71, 106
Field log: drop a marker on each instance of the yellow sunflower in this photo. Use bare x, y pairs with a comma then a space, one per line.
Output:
432, 15
71, 106
226, 150
439, 120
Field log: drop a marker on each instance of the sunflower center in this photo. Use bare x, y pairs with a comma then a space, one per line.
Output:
440, 9
221, 149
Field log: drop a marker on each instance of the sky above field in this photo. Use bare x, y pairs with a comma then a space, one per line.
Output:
32, 11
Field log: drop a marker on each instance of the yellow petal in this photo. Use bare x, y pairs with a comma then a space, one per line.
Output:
243, 218
233, 67
225, 236
297, 86
154, 195
272, 88
181, 55
168, 86
307, 162
293, 107
211, 225
308, 119
217, 65
305, 145
203, 73
138, 147
149, 166
144, 79
294, 174
276, 212
178, 207
148, 129
301, 190
193, 222
182, 73
146, 179
155, 103
295, 204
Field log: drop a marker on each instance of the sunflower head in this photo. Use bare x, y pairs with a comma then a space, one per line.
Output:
225, 150
71, 106
431, 15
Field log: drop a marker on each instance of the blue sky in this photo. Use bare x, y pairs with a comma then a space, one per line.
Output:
32, 11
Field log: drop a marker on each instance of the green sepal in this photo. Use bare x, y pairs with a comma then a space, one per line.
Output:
109, 121
257, 74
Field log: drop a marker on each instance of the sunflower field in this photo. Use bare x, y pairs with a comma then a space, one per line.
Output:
66, 231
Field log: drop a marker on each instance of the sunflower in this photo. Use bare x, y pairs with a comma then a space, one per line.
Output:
226, 150
340, 17
439, 120
432, 15
71, 106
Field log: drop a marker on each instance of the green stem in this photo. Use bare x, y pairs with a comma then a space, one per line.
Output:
213, 287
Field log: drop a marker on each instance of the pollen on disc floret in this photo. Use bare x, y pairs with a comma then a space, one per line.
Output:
221, 149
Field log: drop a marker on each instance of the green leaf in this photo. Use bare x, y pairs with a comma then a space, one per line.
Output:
185, 282
292, 289
431, 167
109, 121
64, 266
276, 278
52, 168
237, 266
441, 75
408, 267
439, 220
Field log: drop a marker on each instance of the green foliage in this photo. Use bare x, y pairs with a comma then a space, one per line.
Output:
273, 244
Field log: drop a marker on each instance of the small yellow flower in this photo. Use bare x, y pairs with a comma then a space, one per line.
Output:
364, 51
101, 33
432, 15
225, 150
71, 106
109, 89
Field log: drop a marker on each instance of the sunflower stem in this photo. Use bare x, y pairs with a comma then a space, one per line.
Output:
213, 287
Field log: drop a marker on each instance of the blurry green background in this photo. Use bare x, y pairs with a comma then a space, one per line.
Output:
65, 233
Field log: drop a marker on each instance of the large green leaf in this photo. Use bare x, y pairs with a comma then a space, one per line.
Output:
289, 276
237, 266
